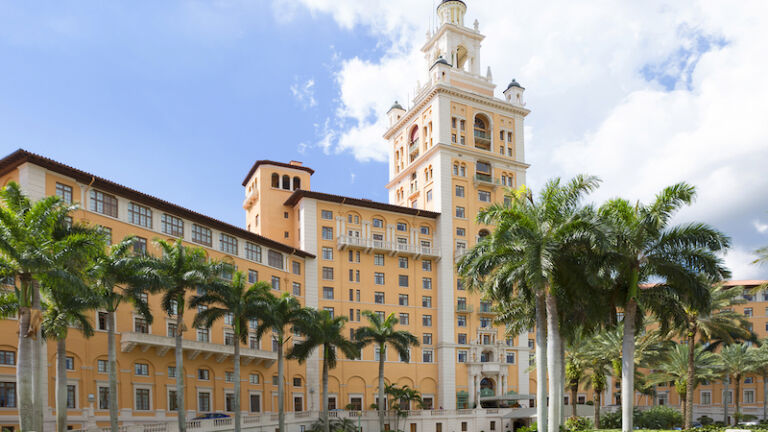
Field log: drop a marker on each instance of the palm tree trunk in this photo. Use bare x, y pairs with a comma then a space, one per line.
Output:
24, 372
561, 364
380, 404
112, 370
684, 406
280, 386
596, 400
737, 399
541, 362
554, 361
725, 398
181, 409
324, 403
688, 411
237, 384
765, 396
61, 385
628, 366
574, 392
40, 362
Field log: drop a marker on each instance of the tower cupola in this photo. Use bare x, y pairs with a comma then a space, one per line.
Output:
452, 12
395, 113
514, 93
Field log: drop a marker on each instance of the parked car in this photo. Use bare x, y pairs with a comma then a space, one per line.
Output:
211, 416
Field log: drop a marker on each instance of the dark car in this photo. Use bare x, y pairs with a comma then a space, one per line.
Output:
211, 416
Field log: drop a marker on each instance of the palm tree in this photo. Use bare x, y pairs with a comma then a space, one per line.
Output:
599, 368
674, 367
402, 396
381, 332
117, 278
323, 330
738, 360
714, 322
644, 247
240, 304
761, 360
528, 251
64, 310
577, 363
35, 238
178, 270
278, 314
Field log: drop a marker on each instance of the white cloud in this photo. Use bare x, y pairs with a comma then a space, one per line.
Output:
641, 94
740, 263
304, 93
760, 227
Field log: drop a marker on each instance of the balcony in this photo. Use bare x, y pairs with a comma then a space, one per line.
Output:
464, 308
486, 179
482, 139
413, 147
163, 344
250, 199
486, 309
392, 248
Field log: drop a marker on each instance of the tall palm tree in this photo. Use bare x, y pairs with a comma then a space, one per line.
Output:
597, 378
280, 314
241, 304
761, 360
321, 330
177, 271
381, 332
35, 238
577, 362
528, 251
65, 309
674, 367
714, 322
737, 360
117, 278
645, 247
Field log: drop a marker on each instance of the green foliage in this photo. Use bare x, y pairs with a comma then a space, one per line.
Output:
578, 424
610, 420
705, 420
532, 428
658, 417
335, 425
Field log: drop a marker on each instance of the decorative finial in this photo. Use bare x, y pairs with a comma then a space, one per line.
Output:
477, 25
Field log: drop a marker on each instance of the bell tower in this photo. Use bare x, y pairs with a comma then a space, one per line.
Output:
452, 12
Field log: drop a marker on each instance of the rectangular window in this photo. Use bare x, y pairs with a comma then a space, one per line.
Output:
402, 262
103, 203
327, 233
7, 358
275, 259
204, 402
252, 252
253, 276
229, 339
378, 278
426, 301
296, 289
402, 300
141, 369
326, 214
749, 396
402, 226
483, 167
203, 374
142, 399
706, 398
426, 283
461, 320
426, 356
748, 312
461, 232
103, 398
453, 138
330, 311
71, 397
460, 191
255, 400
69, 363
402, 281
484, 196
140, 325
426, 320
453, 122
462, 357
429, 195
426, 265
253, 379
328, 254
171, 371
327, 273
460, 212
378, 259
462, 339
296, 267
172, 402
378, 223
64, 192
404, 319
276, 283
202, 235
101, 366
172, 225
510, 357
139, 215
203, 335
426, 339
378, 297
228, 244
328, 293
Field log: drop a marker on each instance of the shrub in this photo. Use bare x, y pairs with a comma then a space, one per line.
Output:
574, 424
590, 403
705, 420
532, 428
610, 420
659, 417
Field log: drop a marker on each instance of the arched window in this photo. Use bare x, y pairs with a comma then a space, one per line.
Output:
414, 134
296, 183
479, 123
275, 180
461, 57
483, 234
286, 182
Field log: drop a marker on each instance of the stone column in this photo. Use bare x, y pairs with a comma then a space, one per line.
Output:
471, 389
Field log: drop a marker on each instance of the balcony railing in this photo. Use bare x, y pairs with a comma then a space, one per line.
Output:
392, 247
464, 308
163, 344
414, 146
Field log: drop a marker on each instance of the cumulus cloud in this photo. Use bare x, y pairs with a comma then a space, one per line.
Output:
641, 94
760, 227
304, 93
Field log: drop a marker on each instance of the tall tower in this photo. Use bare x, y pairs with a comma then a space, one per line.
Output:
457, 150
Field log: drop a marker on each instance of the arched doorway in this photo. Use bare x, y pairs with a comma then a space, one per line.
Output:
487, 387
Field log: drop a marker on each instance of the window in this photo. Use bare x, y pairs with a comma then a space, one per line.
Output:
378, 259
327, 233
426, 301
203, 374
252, 252
103, 398
172, 225
141, 369
429, 195
462, 357
139, 215
402, 262
275, 259
354, 275
140, 325
202, 235
483, 167
510, 357
228, 244
404, 319
229, 338
460, 212
426, 320
253, 378
172, 402
69, 362
328, 273
229, 376
101, 366
378, 278
103, 203
460, 191
706, 398
749, 396
426, 265
460, 285
462, 339
7, 358
328, 293
402, 281
402, 300
748, 312
402, 226
378, 223
203, 335
426, 283
484, 196
255, 403
378, 297
71, 397
297, 382
296, 289
328, 253
461, 320
426, 356
171, 371
485, 322
64, 192
204, 401
453, 122
276, 283
326, 214
253, 276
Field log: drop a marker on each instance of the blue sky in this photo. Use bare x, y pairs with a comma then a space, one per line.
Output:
178, 98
